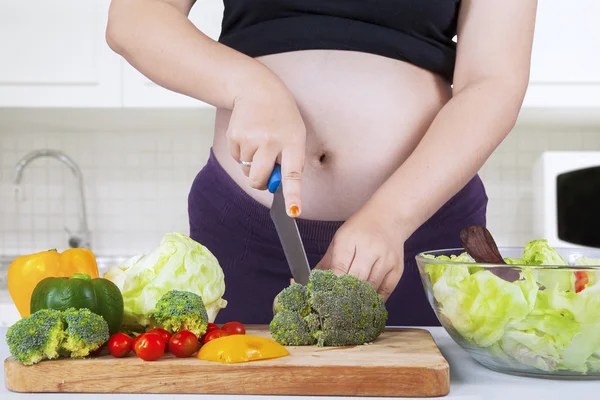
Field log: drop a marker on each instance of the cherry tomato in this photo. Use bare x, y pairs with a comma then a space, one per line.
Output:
150, 347
209, 328
581, 280
215, 334
119, 345
164, 334
183, 344
135, 341
234, 327
98, 351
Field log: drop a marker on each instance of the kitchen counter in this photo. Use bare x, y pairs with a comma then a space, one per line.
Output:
469, 381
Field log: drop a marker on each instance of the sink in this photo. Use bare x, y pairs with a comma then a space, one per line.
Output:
104, 263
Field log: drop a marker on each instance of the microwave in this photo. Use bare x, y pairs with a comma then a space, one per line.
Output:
566, 198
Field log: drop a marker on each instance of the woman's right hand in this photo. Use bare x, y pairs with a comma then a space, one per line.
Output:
265, 130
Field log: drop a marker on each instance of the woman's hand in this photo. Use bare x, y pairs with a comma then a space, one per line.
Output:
266, 130
369, 247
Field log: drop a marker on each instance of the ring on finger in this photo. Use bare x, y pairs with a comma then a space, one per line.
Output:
246, 163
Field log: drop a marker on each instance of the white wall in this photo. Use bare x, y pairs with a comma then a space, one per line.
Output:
138, 174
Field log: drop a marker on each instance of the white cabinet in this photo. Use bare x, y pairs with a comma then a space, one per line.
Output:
139, 91
54, 54
565, 65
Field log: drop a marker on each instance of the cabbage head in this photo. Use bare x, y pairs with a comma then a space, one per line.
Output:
177, 263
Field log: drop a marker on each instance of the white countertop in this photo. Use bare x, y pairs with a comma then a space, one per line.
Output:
469, 381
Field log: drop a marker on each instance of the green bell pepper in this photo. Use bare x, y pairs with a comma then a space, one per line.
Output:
99, 295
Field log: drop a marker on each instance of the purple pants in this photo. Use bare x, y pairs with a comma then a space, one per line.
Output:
239, 232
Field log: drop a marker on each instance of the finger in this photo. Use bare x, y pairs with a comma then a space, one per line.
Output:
389, 283
262, 167
340, 258
378, 272
247, 154
234, 150
362, 264
292, 165
326, 260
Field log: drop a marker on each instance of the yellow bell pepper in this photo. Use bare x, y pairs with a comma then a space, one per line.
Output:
241, 348
25, 272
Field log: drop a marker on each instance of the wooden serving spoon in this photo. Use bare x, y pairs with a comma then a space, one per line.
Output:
480, 244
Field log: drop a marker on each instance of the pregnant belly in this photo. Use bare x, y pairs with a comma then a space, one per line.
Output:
364, 115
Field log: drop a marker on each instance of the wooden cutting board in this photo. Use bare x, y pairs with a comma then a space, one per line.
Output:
400, 363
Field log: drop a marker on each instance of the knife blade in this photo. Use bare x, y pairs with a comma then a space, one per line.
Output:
287, 230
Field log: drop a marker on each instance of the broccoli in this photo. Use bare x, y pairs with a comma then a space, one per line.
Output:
291, 329
292, 298
85, 332
36, 337
181, 310
329, 311
48, 334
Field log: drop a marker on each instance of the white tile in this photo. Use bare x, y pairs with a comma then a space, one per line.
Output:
147, 159
8, 143
132, 160
164, 142
164, 160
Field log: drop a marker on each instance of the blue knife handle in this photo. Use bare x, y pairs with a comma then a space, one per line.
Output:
275, 179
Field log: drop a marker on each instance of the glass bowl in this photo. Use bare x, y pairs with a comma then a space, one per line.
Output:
528, 320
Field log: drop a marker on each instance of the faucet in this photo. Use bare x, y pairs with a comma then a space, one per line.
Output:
82, 237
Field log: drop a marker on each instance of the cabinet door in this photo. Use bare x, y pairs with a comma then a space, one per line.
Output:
55, 54
565, 65
566, 46
139, 91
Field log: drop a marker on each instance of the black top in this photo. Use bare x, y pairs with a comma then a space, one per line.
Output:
416, 31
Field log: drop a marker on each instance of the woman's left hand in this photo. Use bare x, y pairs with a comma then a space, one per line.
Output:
370, 247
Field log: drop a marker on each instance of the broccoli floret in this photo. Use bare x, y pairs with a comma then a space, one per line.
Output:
292, 298
36, 337
336, 311
290, 329
181, 310
85, 332
48, 334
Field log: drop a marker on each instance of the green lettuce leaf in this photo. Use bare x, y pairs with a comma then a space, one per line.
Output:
480, 305
539, 252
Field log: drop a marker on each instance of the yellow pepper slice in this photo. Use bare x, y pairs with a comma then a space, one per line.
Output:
25, 272
241, 348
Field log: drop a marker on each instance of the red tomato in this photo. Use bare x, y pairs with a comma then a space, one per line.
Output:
183, 344
150, 347
98, 351
215, 334
164, 334
581, 279
135, 341
119, 345
234, 327
209, 328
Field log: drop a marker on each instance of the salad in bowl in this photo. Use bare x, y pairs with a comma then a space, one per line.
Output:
537, 313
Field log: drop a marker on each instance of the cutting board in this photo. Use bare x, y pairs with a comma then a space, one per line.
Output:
400, 363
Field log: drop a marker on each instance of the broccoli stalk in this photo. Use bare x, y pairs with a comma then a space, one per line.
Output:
329, 311
48, 334
181, 310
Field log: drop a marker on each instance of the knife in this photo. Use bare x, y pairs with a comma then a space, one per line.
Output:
287, 230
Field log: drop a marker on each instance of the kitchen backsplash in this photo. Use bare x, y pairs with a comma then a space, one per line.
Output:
137, 180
